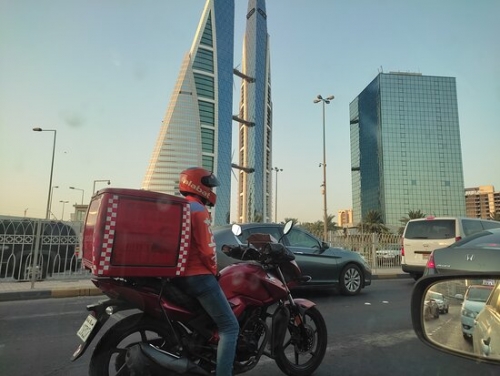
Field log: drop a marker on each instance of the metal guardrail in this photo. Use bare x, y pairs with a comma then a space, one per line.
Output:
34, 249
380, 250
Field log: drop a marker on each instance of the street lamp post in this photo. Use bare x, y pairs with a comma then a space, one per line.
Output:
100, 180
47, 213
79, 189
51, 197
64, 203
276, 195
324, 101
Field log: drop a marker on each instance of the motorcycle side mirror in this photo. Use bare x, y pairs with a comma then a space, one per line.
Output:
236, 229
288, 226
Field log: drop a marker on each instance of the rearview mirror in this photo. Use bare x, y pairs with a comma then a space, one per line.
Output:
459, 314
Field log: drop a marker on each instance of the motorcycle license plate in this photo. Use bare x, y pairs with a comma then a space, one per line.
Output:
86, 328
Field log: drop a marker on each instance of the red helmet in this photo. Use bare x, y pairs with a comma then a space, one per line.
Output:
198, 181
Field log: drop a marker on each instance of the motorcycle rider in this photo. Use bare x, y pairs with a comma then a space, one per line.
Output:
199, 279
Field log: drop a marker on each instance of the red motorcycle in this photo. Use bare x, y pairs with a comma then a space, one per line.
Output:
168, 333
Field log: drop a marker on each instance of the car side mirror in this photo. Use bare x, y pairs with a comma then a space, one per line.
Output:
236, 229
461, 329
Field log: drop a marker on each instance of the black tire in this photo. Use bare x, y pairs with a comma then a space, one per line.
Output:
110, 351
351, 280
310, 347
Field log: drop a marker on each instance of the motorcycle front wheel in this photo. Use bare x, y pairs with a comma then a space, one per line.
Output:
304, 346
108, 358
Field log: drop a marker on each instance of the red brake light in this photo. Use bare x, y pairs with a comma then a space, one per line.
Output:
457, 238
430, 262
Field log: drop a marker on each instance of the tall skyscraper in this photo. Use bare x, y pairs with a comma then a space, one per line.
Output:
197, 127
255, 120
405, 148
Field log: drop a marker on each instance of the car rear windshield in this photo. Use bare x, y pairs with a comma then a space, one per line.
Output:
478, 294
431, 229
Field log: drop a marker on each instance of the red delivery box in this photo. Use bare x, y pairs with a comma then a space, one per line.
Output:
136, 233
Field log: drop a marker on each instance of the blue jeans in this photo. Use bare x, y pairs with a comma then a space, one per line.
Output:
208, 292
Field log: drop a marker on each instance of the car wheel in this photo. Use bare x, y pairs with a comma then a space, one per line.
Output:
351, 280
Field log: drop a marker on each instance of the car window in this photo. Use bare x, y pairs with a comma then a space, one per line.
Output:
298, 238
433, 229
490, 224
478, 294
436, 295
273, 231
483, 239
471, 227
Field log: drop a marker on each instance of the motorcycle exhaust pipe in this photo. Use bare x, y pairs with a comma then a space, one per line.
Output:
145, 360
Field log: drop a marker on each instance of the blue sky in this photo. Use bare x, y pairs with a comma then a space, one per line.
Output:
101, 73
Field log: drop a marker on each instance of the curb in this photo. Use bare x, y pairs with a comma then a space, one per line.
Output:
390, 276
73, 292
54, 293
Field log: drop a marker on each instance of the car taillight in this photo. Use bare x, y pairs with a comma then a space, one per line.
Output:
430, 262
457, 238
402, 248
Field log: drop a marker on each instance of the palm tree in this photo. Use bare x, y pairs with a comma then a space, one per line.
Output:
412, 214
294, 220
373, 223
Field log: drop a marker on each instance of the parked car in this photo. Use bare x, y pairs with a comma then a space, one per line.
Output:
58, 245
486, 332
476, 253
330, 267
388, 257
474, 301
442, 303
423, 235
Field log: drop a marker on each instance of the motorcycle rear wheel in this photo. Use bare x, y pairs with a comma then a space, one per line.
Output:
109, 354
304, 346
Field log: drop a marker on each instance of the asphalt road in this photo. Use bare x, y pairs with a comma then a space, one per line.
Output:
369, 334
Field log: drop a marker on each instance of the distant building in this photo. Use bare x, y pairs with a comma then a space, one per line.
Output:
344, 218
406, 151
197, 127
482, 202
255, 121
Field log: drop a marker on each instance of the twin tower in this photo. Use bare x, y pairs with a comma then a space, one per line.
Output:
197, 129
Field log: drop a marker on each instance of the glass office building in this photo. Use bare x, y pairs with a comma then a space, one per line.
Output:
197, 127
405, 148
255, 120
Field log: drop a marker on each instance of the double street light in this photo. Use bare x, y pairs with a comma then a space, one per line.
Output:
49, 198
79, 189
64, 203
276, 195
324, 101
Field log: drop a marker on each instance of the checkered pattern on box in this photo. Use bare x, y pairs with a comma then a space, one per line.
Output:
184, 241
108, 238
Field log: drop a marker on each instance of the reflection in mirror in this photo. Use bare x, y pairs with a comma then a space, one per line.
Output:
464, 315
